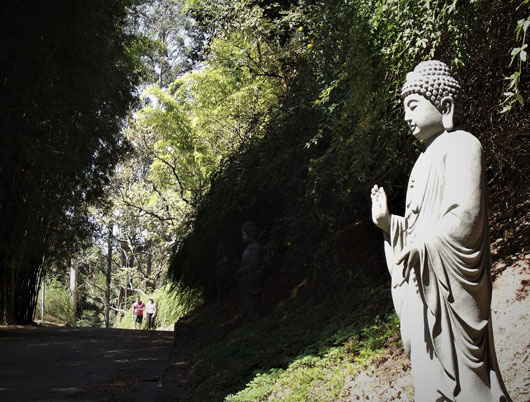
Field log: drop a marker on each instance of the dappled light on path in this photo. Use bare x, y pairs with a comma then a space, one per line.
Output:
83, 364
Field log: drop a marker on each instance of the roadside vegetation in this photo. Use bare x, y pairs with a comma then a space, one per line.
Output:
57, 301
301, 351
173, 302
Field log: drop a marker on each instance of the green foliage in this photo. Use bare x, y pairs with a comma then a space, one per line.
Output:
336, 130
322, 377
57, 306
519, 55
173, 302
200, 120
162, 27
69, 72
154, 188
409, 30
180, 136
126, 320
304, 351
91, 318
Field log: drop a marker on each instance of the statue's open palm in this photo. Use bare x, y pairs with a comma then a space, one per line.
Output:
380, 213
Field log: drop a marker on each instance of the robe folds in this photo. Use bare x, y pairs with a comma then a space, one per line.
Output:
249, 277
444, 307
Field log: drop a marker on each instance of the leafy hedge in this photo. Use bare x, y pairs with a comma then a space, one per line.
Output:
338, 128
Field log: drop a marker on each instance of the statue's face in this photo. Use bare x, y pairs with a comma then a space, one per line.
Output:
423, 118
244, 236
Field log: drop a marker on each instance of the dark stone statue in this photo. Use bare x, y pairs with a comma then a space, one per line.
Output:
222, 273
249, 275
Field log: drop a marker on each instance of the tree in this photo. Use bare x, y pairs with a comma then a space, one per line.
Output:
68, 72
166, 26
337, 127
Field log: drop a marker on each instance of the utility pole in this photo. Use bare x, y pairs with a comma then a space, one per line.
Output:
74, 270
43, 290
108, 278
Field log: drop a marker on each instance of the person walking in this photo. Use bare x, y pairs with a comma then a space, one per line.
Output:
138, 312
151, 313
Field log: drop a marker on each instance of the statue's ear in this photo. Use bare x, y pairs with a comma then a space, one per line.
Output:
448, 111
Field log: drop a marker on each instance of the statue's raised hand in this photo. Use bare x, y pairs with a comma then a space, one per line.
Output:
380, 213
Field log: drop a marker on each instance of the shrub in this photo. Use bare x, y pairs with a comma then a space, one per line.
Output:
173, 302
57, 306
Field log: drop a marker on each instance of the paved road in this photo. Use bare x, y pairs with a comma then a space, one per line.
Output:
84, 364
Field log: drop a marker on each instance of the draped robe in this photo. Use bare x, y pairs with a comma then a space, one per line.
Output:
249, 278
444, 307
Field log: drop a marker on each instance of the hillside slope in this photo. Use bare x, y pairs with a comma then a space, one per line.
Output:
389, 378
323, 351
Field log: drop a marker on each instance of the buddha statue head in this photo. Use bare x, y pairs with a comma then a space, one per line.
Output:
249, 231
431, 99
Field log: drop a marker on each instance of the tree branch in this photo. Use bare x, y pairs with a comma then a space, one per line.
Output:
99, 299
172, 167
145, 211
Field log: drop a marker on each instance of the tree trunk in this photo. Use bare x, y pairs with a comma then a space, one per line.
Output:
149, 259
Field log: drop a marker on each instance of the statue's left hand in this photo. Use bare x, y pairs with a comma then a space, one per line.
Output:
410, 257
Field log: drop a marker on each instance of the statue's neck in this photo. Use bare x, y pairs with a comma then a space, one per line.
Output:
433, 138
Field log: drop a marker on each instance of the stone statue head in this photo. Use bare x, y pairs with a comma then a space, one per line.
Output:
249, 231
432, 81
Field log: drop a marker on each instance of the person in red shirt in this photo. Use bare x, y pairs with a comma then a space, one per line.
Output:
138, 313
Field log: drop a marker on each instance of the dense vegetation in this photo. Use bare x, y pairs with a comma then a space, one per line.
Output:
281, 112
337, 127
68, 73
336, 130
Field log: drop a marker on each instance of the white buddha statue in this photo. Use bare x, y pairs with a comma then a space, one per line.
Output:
438, 252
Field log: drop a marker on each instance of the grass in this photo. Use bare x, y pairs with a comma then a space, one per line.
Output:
321, 377
173, 302
57, 306
306, 350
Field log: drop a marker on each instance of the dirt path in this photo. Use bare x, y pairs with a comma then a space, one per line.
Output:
85, 364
